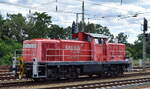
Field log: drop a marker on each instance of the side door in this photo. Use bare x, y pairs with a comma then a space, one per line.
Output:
98, 49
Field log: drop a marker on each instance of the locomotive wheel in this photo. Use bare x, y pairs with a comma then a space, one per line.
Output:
90, 75
113, 74
74, 75
104, 74
109, 74
120, 73
99, 75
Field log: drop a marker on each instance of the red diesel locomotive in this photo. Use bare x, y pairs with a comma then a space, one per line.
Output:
90, 54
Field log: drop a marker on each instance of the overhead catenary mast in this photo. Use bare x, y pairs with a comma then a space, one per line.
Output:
82, 16
77, 20
121, 2
56, 6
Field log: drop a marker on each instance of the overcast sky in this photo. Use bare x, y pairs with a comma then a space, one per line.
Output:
111, 13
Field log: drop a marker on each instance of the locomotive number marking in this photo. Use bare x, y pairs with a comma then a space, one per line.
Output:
71, 47
75, 50
29, 45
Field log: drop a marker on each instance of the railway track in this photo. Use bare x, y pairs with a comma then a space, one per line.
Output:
81, 82
5, 73
108, 84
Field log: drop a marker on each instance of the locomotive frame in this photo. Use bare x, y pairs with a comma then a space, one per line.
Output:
57, 70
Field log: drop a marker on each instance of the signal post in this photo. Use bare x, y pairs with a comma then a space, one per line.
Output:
145, 28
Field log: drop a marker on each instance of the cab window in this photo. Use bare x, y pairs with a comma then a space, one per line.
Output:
99, 41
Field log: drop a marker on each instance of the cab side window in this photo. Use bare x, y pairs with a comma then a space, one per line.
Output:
89, 39
99, 41
96, 41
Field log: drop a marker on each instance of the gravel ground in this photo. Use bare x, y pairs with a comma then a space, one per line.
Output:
140, 86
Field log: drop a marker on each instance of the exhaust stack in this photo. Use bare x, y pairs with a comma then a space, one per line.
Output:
74, 30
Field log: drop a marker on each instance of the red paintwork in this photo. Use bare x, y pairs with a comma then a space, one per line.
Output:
115, 51
72, 50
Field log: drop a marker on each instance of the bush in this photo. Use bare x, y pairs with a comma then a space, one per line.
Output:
7, 49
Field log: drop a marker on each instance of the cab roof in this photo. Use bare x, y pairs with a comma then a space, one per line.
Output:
95, 35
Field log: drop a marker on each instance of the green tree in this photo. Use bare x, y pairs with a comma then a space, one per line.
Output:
57, 32
68, 32
14, 27
38, 25
135, 50
138, 47
7, 49
122, 38
2, 27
